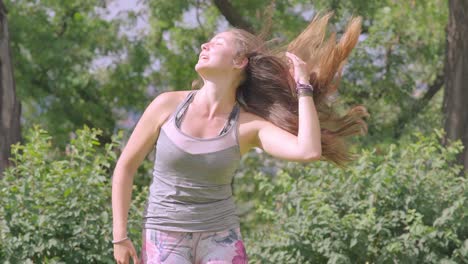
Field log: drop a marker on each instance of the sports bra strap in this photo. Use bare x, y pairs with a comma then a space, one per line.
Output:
183, 107
231, 120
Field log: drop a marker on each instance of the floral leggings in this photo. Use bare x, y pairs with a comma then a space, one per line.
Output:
166, 247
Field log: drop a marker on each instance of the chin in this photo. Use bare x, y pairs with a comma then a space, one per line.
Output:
200, 68
204, 69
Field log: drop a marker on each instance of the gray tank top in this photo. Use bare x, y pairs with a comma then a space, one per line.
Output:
191, 187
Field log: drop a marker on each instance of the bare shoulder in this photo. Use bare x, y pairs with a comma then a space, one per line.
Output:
164, 105
170, 98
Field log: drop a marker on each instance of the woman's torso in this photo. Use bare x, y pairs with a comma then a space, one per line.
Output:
191, 188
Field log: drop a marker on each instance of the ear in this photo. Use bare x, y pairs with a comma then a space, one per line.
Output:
240, 63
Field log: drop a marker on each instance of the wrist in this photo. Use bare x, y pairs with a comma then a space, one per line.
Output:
118, 241
303, 89
119, 234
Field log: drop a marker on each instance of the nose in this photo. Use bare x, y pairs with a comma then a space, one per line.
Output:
204, 46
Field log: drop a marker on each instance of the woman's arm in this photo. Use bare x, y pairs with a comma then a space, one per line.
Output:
306, 146
138, 146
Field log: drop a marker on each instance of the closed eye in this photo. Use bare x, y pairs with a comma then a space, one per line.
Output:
218, 41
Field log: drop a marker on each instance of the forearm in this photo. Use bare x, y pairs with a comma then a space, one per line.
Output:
122, 182
308, 137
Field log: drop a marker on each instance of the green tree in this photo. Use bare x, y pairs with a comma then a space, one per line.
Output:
54, 44
396, 70
9, 103
456, 66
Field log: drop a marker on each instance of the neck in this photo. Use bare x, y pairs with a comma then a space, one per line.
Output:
216, 98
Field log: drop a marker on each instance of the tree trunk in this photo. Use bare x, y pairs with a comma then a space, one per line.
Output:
456, 77
9, 104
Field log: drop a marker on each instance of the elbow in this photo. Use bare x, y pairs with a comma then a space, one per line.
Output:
312, 156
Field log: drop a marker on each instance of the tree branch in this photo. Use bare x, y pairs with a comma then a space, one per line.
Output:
197, 15
418, 105
68, 15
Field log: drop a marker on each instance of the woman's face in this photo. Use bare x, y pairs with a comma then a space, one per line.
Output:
217, 55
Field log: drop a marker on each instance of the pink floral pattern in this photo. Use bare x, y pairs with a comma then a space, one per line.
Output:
241, 257
185, 247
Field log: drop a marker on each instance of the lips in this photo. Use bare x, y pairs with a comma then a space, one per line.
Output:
203, 56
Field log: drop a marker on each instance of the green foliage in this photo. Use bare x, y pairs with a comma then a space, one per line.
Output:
400, 55
54, 45
402, 204
175, 42
54, 206
395, 205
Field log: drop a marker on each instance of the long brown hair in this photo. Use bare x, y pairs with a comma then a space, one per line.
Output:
267, 88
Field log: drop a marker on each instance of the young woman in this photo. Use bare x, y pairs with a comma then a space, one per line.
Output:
249, 97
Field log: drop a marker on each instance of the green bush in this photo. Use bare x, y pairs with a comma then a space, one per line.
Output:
55, 205
402, 205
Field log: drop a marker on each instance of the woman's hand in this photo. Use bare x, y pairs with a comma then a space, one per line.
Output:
298, 69
123, 251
